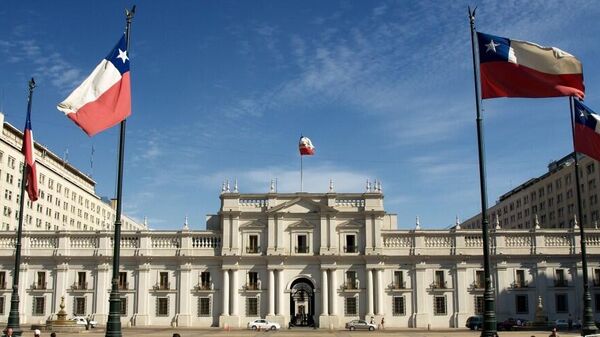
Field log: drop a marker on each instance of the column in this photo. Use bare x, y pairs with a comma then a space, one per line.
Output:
369, 292
324, 293
280, 293
60, 285
143, 287
184, 317
380, 292
334, 296
103, 275
271, 292
234, 293
225, 291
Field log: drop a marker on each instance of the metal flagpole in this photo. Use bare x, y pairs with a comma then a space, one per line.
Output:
113, 325
588, 326
13, 316
489, 316
301, 174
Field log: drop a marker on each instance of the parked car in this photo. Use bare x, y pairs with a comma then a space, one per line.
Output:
359, 324
80, 320
474, 322
506, 325
263, 324
563, 324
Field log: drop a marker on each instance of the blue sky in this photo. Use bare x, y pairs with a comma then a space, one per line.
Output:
223, 90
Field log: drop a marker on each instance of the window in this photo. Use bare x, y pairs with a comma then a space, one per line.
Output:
399, 280
2, 280
560, 280
39, 306
596, 277
81, 280
164, 281
162, 306
41, 280
252, 244
597, 302
204, 306
351, 280
520, 279
562, 303
11, 162
123, 284
350, 244
522, 302
479, 305
204, 280
439, 281
350, 306
439, 305
252, 307
398, 304
79, 306
123, 306
252, 281
2, 305
479, 279
302, 244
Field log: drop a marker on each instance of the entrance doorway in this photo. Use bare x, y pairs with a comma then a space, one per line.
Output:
302, 303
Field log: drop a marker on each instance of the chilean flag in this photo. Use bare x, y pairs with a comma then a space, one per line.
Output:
587, 131
104, 98
306, 147
511, 68
27, 149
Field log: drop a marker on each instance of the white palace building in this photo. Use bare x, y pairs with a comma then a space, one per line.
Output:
301, 259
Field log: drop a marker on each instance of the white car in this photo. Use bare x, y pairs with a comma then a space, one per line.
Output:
263, 324
80, 320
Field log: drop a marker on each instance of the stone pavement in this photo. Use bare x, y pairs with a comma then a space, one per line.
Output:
215, 332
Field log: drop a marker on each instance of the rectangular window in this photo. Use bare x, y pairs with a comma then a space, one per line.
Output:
520, 279
350, 306
2, 305
399, 308
562, 303
522, 302
79, 306
252, 280
252, 244
164, 281
123, 306
204, 306
162, 306
596, 277
439, 305
439, 279
41, 280
252, 306
560, 280
399, 280
479, 305
351, 244
39, 306
302, 244
351, 280
2, 280
81, 280
479, 279
597, 302
205, 280
123, 284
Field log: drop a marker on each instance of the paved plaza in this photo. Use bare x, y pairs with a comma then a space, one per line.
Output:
168, 332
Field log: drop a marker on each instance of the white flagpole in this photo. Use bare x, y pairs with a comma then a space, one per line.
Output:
301, 175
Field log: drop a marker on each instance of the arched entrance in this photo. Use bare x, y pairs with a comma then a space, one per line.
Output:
302, 303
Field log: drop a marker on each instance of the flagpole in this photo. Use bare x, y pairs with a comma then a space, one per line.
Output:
301, 174
13, 316
489, 316
588, 326
113, 325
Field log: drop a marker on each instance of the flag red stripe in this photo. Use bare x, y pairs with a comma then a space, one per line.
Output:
110, 108
305, 151
31, 178
587, 141
505, 79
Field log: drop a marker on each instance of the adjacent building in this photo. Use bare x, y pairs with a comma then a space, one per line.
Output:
549, 201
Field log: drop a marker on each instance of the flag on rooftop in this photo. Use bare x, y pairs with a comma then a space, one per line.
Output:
587, 131
512, 68
104, 98
31, 178
306, 147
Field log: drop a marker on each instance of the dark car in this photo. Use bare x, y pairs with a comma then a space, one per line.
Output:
474, 322
507, 325
358, 324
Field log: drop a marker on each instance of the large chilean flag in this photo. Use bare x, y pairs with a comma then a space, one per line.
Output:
587, 131
511, 68
104, 98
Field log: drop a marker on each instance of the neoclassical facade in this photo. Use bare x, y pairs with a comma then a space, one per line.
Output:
300, 259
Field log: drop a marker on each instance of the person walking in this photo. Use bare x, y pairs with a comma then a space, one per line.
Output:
553, 333
382, 323
37, 333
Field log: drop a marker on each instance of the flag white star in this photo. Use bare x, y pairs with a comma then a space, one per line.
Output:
123, 55
491, 46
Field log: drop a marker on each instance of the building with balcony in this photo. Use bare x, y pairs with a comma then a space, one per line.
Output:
301, 259
67, 197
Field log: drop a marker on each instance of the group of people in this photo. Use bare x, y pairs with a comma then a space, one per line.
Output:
381, 326
36, 333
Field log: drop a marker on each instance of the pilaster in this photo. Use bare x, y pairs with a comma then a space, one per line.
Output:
421, 313
102, 292
143, 287
184, 318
